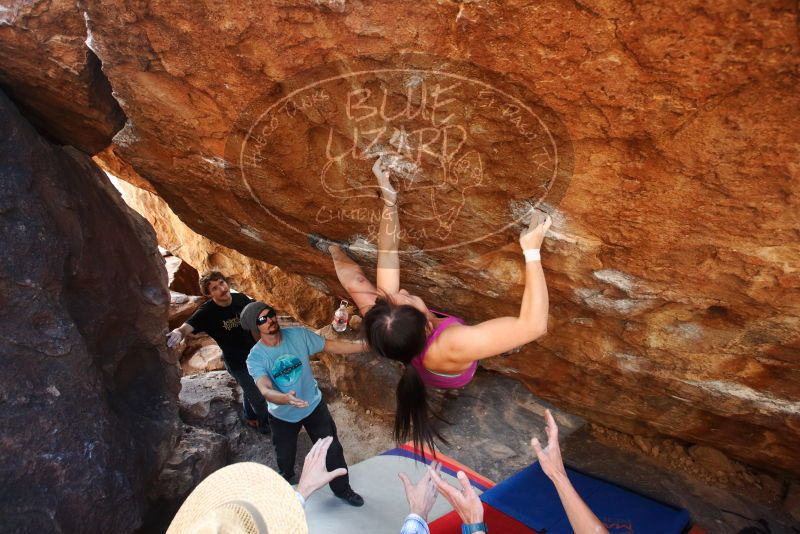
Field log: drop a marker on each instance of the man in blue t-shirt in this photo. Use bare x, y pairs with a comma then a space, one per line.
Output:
279, 364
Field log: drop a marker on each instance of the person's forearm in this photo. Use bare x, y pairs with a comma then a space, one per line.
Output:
535, 300
388, 271
388, 238
581, 518
186, 329
344, 347
274, 396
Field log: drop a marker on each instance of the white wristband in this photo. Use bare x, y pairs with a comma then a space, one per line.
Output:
532, 254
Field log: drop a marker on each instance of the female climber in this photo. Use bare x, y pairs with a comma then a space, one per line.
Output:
437, 350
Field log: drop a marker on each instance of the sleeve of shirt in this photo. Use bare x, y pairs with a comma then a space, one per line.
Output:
314, 342
256, 365
198, 321
414, 524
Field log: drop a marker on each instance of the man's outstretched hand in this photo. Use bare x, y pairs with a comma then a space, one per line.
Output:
315, 474
174, 338
465, 501
550, 456
292, 400
422, 495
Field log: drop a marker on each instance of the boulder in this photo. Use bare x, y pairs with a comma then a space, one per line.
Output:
183, 278
792, 501
260, 280
194, 342
181, 307
664, 150
52, 75
199, 453
89, 391
369, 380
366, 378
211, 401
115, 166
204, 359
712, 459
670, 177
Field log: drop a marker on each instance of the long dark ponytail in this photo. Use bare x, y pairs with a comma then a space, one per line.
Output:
398, 333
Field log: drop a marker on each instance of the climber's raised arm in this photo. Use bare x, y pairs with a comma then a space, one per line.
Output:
388, 272
463, 344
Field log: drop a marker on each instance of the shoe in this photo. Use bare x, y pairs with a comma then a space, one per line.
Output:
352, 498
263, 428
252, 423
322, 243
255, 424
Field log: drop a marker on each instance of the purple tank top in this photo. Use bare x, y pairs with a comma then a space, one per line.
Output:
436, 380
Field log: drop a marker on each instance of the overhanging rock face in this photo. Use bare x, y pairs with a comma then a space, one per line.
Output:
287, 292
662, 138
52, 75
89, 390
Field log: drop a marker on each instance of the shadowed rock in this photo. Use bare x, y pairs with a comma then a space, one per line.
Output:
89, 394
183, 278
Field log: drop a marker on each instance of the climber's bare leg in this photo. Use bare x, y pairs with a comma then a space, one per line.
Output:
352, 278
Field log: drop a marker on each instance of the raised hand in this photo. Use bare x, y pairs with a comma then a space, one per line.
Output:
465, 501
581, 517
422, 495
315, 474
550, 456
388, 193
294, 401
533, 235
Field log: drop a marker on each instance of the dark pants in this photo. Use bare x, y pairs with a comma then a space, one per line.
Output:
319, 424
255, 406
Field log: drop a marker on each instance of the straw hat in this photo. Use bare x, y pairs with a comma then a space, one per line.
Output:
243, 498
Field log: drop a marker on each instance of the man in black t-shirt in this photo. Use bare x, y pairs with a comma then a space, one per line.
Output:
219, 318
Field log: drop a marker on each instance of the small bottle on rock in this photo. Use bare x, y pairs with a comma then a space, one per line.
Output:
340, 317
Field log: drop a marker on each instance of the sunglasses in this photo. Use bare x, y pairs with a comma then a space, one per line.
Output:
263, 319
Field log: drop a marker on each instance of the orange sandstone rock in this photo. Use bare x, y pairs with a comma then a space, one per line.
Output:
668, 133
260, 280
54, 78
